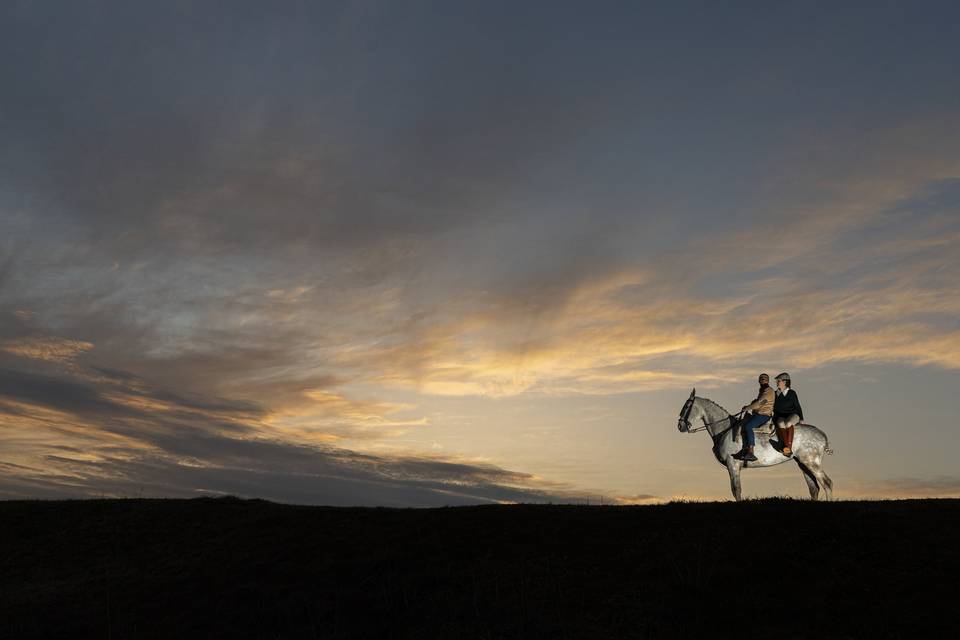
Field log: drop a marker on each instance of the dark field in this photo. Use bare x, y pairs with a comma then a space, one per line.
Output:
229, 568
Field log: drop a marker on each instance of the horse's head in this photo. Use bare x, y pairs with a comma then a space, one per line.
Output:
691, 411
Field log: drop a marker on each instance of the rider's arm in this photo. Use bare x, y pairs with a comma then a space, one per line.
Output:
763, 401
767, 399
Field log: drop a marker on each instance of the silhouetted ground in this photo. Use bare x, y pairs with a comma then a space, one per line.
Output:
230, 568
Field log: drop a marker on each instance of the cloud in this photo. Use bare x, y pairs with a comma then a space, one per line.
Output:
630, 331
252, 234
44, 347
864, 274
609, 328
118, 435
640, 498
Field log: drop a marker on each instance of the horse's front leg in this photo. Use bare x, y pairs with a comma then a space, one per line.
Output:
733, 468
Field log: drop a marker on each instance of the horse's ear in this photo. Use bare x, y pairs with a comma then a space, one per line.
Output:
693, 393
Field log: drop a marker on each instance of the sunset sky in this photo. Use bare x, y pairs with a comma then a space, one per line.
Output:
428, 253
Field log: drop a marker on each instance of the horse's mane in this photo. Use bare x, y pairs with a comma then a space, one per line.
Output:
718, 405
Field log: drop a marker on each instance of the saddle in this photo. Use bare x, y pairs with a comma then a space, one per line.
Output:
765, 429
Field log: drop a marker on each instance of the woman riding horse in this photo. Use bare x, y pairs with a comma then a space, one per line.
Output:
786, 412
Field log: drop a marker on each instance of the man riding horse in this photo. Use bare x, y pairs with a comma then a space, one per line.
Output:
762, 409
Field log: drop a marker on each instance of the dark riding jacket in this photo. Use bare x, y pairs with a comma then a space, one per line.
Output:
786, 404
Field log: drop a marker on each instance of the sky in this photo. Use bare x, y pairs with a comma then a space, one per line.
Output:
438, 253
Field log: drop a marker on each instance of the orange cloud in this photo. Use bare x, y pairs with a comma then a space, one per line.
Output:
327, 416
49, 348
830, 296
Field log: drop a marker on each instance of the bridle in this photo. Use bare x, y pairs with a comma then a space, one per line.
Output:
685, 417
685, 413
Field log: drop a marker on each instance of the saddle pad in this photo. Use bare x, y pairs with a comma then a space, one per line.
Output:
765, 429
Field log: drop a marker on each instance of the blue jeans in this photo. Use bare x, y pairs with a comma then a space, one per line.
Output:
755, 421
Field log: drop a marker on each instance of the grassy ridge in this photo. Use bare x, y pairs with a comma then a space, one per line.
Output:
230, 568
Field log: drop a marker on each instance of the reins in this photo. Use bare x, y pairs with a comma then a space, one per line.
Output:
707, 425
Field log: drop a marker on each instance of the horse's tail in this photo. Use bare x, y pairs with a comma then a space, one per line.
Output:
826, 440
826, 444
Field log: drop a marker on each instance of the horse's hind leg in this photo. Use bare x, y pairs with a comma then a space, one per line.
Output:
811, 480
827, 483
814, 464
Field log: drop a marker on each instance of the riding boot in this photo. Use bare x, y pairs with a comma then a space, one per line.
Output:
745, 454
788, 442
743, 447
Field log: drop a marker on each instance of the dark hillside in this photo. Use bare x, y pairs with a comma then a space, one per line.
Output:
229, 568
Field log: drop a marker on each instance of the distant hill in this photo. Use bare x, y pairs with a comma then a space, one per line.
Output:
231, 568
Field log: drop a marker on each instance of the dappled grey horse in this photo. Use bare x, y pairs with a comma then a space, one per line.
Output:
809, 445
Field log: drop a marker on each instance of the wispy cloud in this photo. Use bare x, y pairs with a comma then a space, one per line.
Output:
887, 300
45, 347
117, 435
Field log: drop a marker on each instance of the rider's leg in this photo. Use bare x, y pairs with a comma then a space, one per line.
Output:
749, 439
781, 434
743, 436
788, 432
